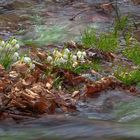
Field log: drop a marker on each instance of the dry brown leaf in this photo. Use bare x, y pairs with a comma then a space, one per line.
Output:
41, 55
19, 67
40, 106
13, 74
73, 79
100, 85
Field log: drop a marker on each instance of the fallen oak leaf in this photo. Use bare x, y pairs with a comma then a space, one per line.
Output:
72, 78
21, 68
13, 74
42, 106
100, 85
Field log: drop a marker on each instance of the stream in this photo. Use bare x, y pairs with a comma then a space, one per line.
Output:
114, 115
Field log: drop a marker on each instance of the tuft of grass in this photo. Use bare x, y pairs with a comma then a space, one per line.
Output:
95, 65
128, 77
58, 81
89, 38
121, 24
107, 42
133, 53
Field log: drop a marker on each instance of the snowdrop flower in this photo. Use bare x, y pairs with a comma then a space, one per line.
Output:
16, 56
32, 66
66, 51
75, 64
27, 60
74, 58
79, 54
2, 43
84, 54
82, 58
17, 46
49, 59
65, 56
62, 60
14, 41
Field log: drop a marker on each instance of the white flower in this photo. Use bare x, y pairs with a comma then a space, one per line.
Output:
27, 60
66, 51
65, 56
17, 46
14, 41
49, 59
16, 56
74, 58
32, 66
2, 43
82, 58
62, 60
79, 54
84, 54
75, 64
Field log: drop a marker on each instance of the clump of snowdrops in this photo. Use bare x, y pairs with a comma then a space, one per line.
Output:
9, 53
66, 58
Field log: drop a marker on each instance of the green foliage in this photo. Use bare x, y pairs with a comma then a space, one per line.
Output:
106, 42
95, 65
121, 24
127, 76
58, 82
8, 52
89, 38
133, 53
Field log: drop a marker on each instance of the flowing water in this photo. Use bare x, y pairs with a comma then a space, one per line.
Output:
114, 115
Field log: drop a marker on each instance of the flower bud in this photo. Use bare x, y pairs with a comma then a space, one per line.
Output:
17, 46
16, 56
14, 41
27, 60
49, 59
74, 58
66, 51
2, 43
32, 66
65, 56
62, 60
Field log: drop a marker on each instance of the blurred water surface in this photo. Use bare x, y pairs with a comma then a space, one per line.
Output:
114, 115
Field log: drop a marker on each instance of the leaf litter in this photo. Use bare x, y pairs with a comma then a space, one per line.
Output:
28, 93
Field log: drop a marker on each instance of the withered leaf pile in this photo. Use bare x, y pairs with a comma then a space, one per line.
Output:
25, 92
